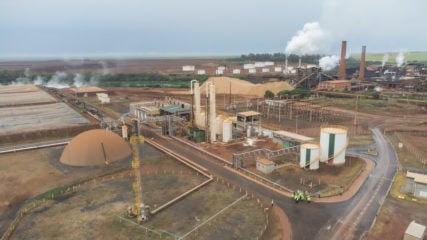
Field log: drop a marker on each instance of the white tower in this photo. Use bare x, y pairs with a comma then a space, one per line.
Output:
196, 98
212, 113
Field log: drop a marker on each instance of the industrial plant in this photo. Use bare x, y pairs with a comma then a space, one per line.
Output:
226, 156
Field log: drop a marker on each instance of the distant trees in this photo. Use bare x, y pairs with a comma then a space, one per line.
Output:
268, 94
277, 57
300, 92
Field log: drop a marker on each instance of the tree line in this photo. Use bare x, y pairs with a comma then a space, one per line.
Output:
277, 57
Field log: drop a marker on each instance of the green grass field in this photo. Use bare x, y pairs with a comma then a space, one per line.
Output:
409, 57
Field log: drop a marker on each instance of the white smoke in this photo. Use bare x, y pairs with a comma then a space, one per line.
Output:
94, 80
378, 89
329, 62
400, 58
105, 70
21, 81
385, 59
58, 80
38, 81
309, 40
79, 80
27, 72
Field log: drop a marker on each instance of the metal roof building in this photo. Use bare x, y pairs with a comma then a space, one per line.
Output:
415, 231
416, 184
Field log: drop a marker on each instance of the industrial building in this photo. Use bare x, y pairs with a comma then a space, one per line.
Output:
266, 166
415, 231
416, 184
248, 119
144, 110
87, 91
179, 110
335, 85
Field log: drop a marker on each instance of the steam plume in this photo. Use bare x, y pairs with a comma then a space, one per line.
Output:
58, 80
400, 58
385, 59
309, 40
329, 62
105, 70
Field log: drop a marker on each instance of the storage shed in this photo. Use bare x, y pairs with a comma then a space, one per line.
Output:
266, 166
415, 231
416, 184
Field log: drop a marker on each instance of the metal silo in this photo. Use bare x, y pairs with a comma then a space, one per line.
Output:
333, 143
309, 156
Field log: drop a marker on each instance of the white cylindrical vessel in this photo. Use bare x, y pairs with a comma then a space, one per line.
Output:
212, 113
309, 156
333, 143
227, 134
197, 101
219, 122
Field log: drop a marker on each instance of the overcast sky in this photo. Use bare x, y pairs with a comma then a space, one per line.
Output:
142, 28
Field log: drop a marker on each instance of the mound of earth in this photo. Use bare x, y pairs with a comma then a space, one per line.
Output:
238, 86
95, 147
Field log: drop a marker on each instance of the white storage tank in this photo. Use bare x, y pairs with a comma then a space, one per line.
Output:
309, 156
219, 122
333, 144
227, 127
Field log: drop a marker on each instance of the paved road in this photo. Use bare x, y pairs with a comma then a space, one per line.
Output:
346, 220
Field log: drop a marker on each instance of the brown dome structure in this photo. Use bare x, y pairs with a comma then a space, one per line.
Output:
95, 147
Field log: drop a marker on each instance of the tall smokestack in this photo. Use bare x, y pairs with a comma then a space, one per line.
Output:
342, 74
299, 62
362, 64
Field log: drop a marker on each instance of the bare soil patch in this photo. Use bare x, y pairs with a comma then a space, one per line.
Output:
394, 218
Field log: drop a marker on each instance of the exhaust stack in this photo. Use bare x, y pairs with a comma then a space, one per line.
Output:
342, 73
362, 64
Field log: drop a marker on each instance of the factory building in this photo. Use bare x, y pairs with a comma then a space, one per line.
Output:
416, 184
87, 91
335, 85
248, 119
188, 68
143, 110
179, 110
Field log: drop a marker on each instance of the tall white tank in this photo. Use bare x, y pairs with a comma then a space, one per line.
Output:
333, 144
227, 134
219, 122
197, 103
309, 156
201, 119
212, 113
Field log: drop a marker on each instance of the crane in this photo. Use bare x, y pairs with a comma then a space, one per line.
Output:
138, 209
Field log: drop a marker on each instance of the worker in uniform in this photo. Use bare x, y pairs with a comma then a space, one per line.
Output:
308, 197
